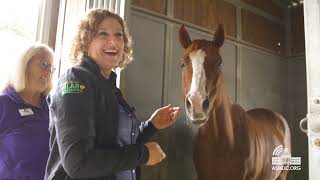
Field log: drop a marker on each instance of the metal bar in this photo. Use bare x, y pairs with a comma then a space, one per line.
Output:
101, 3
312, 36
107, 4
87, 5
103, 6
111, 5
125, 10
59, 37
239, 24
238, 97
117, 6
94, 4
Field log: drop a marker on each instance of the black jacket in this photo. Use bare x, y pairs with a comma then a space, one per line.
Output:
84, 115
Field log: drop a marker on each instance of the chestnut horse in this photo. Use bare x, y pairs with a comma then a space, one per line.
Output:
231, 144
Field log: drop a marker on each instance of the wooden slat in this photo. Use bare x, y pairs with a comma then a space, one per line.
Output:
228, 14
158, 6
297, 30
263, 32
207, 13
268, 6
195, 11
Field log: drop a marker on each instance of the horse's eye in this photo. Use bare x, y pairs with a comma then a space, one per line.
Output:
219, 64
182, 64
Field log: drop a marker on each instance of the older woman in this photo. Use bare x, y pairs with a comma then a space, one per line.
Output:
24, 116
94, 132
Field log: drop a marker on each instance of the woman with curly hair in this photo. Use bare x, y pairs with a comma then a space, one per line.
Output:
94, 132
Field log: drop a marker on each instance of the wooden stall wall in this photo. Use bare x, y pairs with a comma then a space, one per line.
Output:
267, 6
297, 31
207, 14
263, 32
158, 6
144, 85
264, 81
256, 29
297, 104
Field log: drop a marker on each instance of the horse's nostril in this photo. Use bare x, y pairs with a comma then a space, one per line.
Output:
188, 103
205, 104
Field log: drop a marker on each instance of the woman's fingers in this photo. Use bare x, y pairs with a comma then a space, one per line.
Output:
156, 155
174, 113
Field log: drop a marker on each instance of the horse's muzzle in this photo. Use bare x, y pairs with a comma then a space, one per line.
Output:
197, 109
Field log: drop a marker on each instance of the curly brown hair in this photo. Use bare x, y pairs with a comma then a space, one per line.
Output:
88, 29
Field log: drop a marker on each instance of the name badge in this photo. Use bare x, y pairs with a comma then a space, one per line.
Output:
26, 112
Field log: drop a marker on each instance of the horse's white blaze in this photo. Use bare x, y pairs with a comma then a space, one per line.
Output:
197, 89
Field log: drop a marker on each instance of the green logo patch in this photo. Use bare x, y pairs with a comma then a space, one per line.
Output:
72, 88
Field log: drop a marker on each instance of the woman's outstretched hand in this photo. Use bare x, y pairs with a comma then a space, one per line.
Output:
165, 116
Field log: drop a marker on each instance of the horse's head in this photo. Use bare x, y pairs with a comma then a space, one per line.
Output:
201, 73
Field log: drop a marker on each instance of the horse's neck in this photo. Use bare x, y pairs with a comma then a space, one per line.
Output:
220, 124
230, 122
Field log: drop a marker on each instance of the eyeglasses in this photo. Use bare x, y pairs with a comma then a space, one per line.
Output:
44, 65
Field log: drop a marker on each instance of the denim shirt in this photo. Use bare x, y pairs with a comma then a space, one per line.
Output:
128, 131
24, 137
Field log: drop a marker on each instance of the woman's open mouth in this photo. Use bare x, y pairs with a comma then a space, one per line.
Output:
110, 52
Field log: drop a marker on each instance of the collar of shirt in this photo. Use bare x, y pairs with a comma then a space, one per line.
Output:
92, 66
12, 94
89, 64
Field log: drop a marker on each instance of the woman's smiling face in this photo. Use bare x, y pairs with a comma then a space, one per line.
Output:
39, 71
107, 47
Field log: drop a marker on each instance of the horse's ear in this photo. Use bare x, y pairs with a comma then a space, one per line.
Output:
219, 36
184, 37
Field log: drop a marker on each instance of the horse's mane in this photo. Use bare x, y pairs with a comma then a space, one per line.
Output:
220, 115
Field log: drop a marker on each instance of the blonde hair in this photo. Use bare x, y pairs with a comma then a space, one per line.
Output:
88, 29
18, 78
